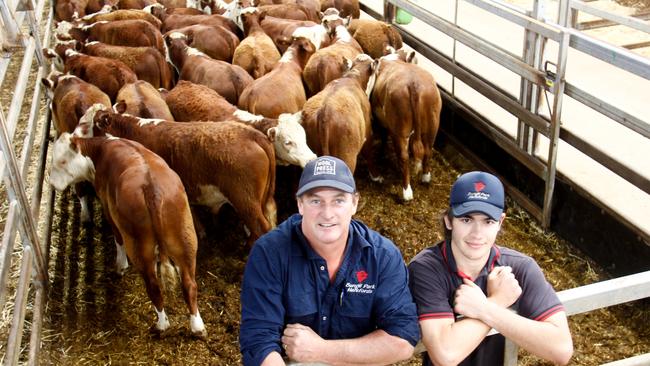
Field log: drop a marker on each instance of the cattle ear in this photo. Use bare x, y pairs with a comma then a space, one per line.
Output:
410, 57
49, 53
120, 106
47, 83
271, 133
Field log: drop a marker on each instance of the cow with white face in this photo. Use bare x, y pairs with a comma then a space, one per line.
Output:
147, 207
194, 102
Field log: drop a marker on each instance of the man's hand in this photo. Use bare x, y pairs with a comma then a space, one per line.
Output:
469, 299
502, 287
301, 343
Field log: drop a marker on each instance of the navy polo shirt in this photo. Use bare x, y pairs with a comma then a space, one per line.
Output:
434, 278
286, 282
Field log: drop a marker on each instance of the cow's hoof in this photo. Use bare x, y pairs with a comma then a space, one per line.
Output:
426, 178
200, 334
407, 194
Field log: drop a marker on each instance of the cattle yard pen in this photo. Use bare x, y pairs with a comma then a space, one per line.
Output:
25, 212
536, 77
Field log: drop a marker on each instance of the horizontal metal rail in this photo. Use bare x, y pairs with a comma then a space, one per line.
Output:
620, 19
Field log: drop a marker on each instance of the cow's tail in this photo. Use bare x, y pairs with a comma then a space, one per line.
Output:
166, 271
415, 141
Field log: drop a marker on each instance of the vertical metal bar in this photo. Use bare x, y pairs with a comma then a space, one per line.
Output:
6, 250
554, 134
16, 333
563, 12
9, 23
389, 12
17, 186
529, 92
453, 54
510, 353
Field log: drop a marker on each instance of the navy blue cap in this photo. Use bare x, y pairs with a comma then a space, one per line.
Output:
477, 192
326, 171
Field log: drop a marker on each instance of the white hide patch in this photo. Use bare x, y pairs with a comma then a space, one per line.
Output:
177, 35
191, 51
212, 197
70, 52
330, 18
163, 321
246, 116
342, 34
287, 56
92, 43
249, 10
111, 137
148, 121
90, 26
315, 33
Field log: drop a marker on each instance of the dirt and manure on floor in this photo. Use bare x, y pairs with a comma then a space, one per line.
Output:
95, 317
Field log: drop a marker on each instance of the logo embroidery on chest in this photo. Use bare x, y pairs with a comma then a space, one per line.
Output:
361, 276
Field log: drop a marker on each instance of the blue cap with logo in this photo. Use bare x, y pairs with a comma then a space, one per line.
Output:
326, 171
477, 192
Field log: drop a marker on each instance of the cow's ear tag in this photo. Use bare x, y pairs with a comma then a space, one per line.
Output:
550, 74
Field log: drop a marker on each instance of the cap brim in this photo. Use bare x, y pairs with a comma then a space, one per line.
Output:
466, 208
325, 183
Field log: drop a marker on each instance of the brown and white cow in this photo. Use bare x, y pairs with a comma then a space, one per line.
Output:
375, 36
194, 102
405, 100
70, 99
289, 11
107, 74
175, 21
122, 14
215, 41
140, 99
130, 32
257, 54
345, 7
147, 63
337, 119
329, 63
146, 205
281, 31
218, 163
281, 90
228, 80
68, 10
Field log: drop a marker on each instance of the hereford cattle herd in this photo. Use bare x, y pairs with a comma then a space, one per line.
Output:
196, 103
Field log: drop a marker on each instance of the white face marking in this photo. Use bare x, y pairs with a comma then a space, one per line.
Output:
68, 165
212, 197
246, 116
147, 121
316, 34
291, 141
63, 30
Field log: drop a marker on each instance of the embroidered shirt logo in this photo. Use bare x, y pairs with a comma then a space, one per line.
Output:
325, 166
361, 276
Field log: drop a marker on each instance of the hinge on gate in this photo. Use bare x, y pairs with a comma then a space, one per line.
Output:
550, 74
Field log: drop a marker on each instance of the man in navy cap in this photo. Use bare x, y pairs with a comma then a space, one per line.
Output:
323, 287
466, 285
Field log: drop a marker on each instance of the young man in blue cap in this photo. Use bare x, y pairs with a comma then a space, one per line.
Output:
466, 285
323, 287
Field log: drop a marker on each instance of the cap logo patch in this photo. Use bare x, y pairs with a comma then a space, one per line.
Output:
478, 195
361, 276
325, 166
